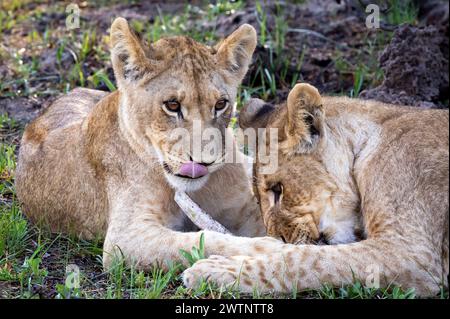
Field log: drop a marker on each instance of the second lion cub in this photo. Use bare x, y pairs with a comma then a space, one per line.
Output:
389, 163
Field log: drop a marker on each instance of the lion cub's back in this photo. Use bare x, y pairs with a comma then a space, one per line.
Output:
67, 110
53, 181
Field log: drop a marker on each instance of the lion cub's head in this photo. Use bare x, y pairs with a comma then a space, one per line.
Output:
301, 201
177, 97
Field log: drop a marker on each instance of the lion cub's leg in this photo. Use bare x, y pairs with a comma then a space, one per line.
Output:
387, 257
377, 263
143, 232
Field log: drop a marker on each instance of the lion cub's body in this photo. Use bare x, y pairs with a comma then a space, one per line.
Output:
74, 156
77, 174
53, 177
104, 165
388, 165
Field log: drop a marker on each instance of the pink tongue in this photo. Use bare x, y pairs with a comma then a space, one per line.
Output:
193, 170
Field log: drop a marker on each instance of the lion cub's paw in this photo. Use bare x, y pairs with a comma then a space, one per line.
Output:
225, 272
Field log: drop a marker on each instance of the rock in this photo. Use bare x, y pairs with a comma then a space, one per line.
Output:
415, 68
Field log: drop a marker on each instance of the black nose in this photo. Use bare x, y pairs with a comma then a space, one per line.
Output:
206, 164
322, 240
202, 163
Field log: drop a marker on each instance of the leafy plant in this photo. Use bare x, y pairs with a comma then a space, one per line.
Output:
65, 292
261, 16
221, 7
31, 272
195, 254
100, 76
7, 160
358, 80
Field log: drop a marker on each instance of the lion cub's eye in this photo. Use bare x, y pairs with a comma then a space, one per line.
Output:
172, 106
221, 104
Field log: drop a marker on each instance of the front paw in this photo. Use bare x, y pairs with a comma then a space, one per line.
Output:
226, 272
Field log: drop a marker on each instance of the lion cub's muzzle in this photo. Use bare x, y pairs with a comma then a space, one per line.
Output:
298, 230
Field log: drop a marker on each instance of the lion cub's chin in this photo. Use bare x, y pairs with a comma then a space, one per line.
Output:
186, 184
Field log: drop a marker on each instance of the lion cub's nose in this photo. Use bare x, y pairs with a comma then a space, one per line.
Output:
322, 239
193, 170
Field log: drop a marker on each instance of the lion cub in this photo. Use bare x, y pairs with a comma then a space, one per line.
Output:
300, 202
341, 157
98, 164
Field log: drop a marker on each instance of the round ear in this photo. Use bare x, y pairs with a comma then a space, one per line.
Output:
235, 52
255, 114
305, 118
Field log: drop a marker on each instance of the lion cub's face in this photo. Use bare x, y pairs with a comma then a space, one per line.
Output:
177, 98
294, 199
301, 201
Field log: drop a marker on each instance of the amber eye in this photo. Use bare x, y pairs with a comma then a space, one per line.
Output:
221, 104
172, 106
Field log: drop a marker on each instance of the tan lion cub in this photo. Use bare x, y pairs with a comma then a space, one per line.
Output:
300, 202
347, 155
98, 164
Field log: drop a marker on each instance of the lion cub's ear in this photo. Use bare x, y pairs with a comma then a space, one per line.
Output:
234, 53
305, 119
129, 58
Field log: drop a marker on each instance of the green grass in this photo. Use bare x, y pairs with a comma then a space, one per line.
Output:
400, 12
13, 231
358, 291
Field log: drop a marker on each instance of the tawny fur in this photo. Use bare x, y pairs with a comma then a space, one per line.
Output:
93, 164
387, 164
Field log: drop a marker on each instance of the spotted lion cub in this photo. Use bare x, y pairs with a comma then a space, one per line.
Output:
98, 164
389, 164
301, 205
